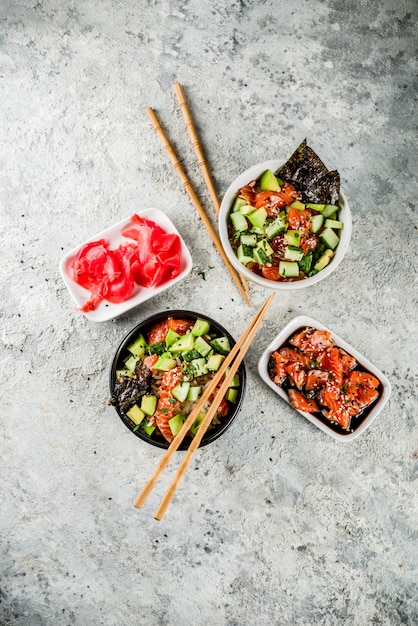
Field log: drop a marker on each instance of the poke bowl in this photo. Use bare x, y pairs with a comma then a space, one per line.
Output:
324, 378
286, 226
160, 370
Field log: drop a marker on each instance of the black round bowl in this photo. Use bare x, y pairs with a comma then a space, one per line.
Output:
143, 327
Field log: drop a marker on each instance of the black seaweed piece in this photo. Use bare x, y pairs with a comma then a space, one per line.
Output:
308, 174
128, 391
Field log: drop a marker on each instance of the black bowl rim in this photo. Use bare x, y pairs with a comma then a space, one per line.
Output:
152, 319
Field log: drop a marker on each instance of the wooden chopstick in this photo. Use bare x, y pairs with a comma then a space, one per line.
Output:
181, 98
203, 399
211, 412
192, 194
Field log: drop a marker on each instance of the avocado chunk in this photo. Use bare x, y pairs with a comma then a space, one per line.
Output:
269, 182
238, 203
232, 395
171, 337
176, 423
185, 343
137, 347
258, 217
201, 327
202, 347
292, 237
149, 404
165, 362
195, 426
324, 260
316, 222
181, 391
148, 428
215, 362
194, 393
135, 414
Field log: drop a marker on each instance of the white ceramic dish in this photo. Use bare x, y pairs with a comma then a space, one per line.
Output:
251, 174
107, 310
375, 408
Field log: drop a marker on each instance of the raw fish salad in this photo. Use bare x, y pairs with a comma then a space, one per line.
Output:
163, 373
285, 226
323, 379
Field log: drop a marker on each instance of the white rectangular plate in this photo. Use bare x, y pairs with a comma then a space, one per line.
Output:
284, 335
107, 310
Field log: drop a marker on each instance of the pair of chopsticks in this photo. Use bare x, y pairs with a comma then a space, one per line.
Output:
225, 374
239, 280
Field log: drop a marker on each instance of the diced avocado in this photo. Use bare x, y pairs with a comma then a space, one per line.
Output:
245, 254
149, 404
194, 394
135, 414
201, 327
316, 207
181, 391
165, 362
130, 363
288, 269
249, 239
329, 238
201, 346
293, 254
235, 382
157, 348
292, 237
265, 246
324, 260
330, 209
195, 426
124, 372
316, 222
247, 209
171, 337
232, 395
333, 224
198, 367
260, 256
137, 348
176, 423
239, 202
191, 354
148, 428
215, 362
258, 217
305, 263
221, 345
185, 343
269, 182
275, 227
239, 222
297, 204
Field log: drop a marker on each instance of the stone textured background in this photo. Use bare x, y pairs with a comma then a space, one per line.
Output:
275, 523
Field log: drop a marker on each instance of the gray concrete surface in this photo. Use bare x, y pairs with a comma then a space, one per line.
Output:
275, 523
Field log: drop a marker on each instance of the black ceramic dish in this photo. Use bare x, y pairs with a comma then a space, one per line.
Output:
143, 327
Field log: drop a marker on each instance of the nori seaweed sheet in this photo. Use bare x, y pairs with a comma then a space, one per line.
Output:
308, 174
128, 391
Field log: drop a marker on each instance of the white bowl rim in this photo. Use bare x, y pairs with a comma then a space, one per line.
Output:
253, 173
282, 336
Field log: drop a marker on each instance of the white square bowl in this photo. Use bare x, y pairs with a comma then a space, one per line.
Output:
300, 322
107, 310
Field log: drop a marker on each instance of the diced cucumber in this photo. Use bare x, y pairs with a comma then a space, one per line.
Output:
201, 327
215, 362
235, 382
316, 222
131, 362
316, 207
330, 210
221, 345
324, 260
137, 348
202, 346
275, 227
149, 404
232, 395
176, 423
260, 256
288, 269
265, 246
165, 362
244, 254
293, 254
246, 209
258, 217
181, 391
292, 237
329, 238
239, 222
124, 372
297, 204
269, 182
249, 239
195, 426
135, 414
194, 394
171, 337
198, 366
148, 428
333, 224
239, 202
184, 344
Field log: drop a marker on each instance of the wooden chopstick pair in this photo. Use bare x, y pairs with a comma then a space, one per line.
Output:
239, 280
225, 373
